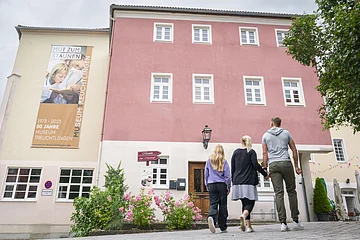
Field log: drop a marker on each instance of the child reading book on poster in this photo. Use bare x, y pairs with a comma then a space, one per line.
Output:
53, 81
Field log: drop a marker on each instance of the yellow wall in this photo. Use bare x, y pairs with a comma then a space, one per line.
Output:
46, 214
31, 63
325, 165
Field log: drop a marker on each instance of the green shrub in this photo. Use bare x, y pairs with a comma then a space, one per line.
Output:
91, 213
321, 201
101, 209
116, 187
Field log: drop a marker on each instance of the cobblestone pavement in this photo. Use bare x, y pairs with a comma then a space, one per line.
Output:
315, 230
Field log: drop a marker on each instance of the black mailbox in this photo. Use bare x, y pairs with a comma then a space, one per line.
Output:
181, 184
172, 184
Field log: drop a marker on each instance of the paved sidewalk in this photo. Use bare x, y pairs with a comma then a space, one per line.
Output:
315, 230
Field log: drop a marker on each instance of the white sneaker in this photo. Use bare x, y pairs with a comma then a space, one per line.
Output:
249, 230
297, 226
211, 224
284, 227
242, 223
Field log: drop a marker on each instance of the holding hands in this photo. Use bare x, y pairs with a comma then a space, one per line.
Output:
268, 174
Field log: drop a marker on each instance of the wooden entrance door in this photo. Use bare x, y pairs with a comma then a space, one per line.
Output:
197, 187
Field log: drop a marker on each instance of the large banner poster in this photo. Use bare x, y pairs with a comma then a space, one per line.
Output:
63, 96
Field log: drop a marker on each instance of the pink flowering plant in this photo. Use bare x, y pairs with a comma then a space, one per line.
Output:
180, 214
138, 210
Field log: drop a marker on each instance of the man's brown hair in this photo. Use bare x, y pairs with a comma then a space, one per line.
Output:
276, 121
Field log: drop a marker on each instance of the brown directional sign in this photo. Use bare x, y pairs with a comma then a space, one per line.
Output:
148, 156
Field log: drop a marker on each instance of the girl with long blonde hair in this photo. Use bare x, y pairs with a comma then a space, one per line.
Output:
217, 158
218, 184
244, 168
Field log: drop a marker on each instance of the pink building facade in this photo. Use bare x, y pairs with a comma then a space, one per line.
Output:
173, 71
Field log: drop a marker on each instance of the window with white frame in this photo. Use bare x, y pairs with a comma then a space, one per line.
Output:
264, 184
22, 183
201, 34
311, 158
339, 150
160, 172
280, 36
249, 36
293, 91
254, 90
74, 183
203, 88
163, 32
161, 87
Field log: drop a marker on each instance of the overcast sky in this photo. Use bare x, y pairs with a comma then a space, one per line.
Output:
95, 13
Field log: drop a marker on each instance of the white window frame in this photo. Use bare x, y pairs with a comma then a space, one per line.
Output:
202, 26
276, 36
153, 84
343, 149
299, 88
261, 188
261, 87
69, 184
158, 24
211, 85
28, 184
257, 42
159, 166
312, 158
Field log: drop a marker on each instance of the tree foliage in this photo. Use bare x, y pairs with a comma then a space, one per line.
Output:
329, 41
321, 201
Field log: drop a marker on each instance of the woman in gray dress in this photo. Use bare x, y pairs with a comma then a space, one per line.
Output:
244, 168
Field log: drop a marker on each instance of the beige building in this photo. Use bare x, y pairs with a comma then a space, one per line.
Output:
340, 164
45, 160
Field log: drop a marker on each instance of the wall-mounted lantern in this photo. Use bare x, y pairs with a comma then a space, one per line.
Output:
206, 134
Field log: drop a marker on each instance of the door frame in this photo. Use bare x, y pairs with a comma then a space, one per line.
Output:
188, 172
204, 213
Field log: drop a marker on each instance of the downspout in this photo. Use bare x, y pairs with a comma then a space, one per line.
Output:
112, 23
304, 190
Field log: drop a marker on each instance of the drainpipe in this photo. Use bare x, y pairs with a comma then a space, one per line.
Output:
304, 190
111, 36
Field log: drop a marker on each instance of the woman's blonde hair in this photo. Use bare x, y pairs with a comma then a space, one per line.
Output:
246, 140
60, 67
217, 158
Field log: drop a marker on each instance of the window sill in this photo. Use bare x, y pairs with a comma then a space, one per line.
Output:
165, 41
18, 200
64, 201
206, 43
161, 101
203, 102
249, 44
255, 104
295, 104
